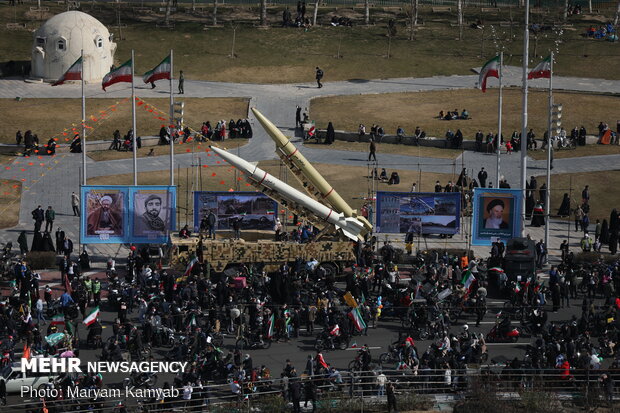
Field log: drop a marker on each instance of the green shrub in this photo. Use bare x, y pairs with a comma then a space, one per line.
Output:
40, 260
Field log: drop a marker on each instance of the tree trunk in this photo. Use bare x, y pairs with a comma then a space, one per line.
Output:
617, 14
565, 10
459, 9
416, 4
590, 6
167, 16
316, 12
366, 12
263, 12
193, 5
215, 12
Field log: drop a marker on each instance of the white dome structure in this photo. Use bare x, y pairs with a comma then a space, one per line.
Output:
58, 44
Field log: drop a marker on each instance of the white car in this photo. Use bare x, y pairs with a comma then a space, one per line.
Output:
15, 378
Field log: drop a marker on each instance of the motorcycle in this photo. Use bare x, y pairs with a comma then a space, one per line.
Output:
140, 380
252, 342
511, 334
337, 342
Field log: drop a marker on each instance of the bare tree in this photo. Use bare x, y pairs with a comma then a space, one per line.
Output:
215, 12
316, 11
590, 6
167, 15
459, 9
412, 14
263, 12
565, 13
193, 5
617, 14
366, 12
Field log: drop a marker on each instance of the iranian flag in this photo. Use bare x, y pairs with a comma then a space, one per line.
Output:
542, 70
190, 266
73, 73
58, 319
490, 69
120, 74
468, 279
161, 71
192, 322
271, 325
357, 319
92, 316
496, 269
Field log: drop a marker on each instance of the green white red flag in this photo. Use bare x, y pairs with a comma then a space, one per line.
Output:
120, 74
468, 279
92, 316
161, 71
357, 319
490, 69
542, 70
271, 326
73, 73
58, 319
190, 266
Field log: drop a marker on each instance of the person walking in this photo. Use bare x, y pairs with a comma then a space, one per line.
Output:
298, 116
40, 318
75, 204
372, 151
181, 81
319, 76
482, 177
22, 241
50, 216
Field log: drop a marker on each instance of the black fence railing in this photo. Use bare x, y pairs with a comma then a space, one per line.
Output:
369, 387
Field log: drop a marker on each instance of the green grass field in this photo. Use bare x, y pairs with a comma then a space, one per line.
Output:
276, 54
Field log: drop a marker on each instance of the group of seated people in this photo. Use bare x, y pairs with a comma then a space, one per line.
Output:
126, 143
454, 115
394, 178
605, 31
341, 21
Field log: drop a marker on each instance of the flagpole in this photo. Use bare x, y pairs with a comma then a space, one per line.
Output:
499, 121
526, 46
83, 121
549, 149
133, 122
171, 119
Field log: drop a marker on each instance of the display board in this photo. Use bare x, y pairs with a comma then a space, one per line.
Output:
421, 213
255, 210
127, 214
496, 215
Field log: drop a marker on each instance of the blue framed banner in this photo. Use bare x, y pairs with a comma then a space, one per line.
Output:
152, 213
256, 210
496, 215
127, 214
420, 213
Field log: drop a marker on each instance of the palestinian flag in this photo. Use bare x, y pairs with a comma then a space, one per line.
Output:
58, 319
92, 316
271, 325
542, 70
73, 73
190, 266
490, 69
161, 71
468, 279
357, 319
120, 74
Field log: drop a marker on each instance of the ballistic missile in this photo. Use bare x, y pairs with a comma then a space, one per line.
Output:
351, 227
292, 154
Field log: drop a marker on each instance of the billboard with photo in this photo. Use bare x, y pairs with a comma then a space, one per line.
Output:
127, 214
256, 210
496, 215
421, 213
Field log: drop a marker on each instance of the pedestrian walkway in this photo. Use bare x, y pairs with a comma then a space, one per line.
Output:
50, 181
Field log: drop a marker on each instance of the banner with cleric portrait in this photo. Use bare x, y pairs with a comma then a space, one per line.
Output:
496, 215
104, 214
152, 213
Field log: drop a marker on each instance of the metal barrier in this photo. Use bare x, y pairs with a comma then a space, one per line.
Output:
416, 387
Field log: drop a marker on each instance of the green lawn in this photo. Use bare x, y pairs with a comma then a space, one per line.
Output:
276, 54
